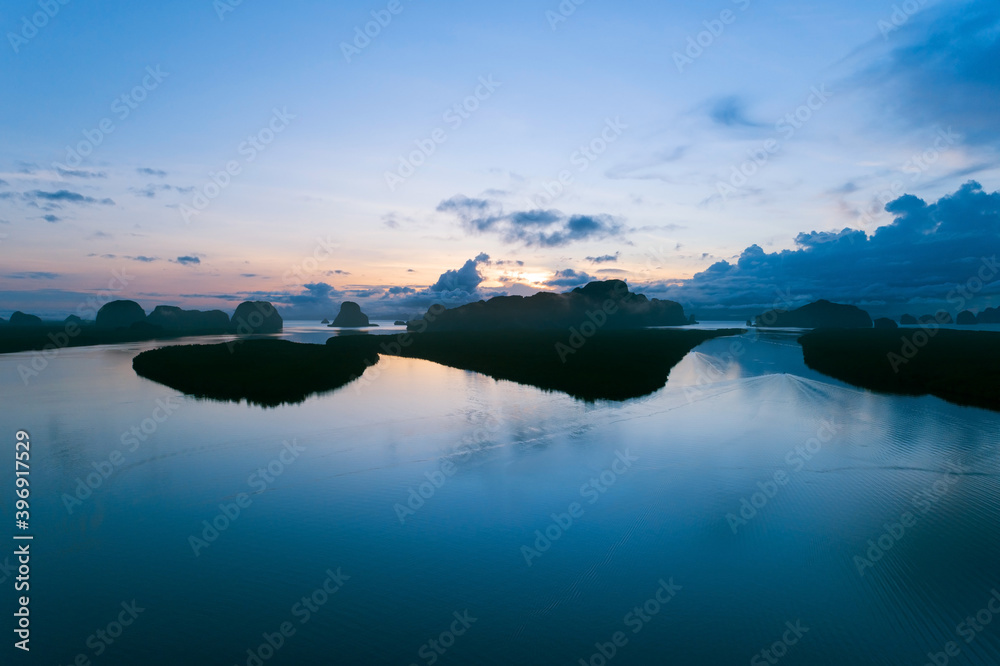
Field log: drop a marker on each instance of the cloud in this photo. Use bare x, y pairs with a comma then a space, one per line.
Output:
603, 259
454, 287
466, 279
144, 259
638, 168
731, 112
312, 301
188, 260
542, 228
393, 291
920, 257
51, 218
146, 171
150, 190
80, 173
64, 196
32, 275
316, 293
569, 278
941, 69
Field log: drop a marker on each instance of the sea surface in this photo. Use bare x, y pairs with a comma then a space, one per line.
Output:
427, 515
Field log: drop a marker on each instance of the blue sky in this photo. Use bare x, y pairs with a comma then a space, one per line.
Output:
646, 112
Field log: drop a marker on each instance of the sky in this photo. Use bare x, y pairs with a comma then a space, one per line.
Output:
728, 155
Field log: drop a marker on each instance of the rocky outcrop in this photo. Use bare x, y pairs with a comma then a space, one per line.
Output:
989, 316
885, 323
399, 322
174, 319
965, 318
256, 317
72, 320
119, 314
908, 320
940, 317
350, 316
821, 314
603, 305
22, 320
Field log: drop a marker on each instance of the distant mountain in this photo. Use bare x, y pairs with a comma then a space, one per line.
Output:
965, 318
256, 317
171, 318
350, 316
119, 314
22, 320
821, 314
608, 304
989, 316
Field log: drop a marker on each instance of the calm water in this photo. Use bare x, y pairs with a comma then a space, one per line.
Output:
822, 473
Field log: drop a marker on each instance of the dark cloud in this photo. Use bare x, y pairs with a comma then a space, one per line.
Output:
144, 259
146, 171
731, 112
365, 293
544, 228
316, 293
32, 275
920, 257
603, 259
453, 288
466, 279
312, 301
942, 69
51, 218
64, 196
188, 260
569, 278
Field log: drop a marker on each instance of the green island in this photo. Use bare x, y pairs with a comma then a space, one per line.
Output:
262, 372
610, 365
962, 367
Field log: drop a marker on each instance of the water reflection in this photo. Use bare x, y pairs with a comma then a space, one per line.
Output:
707, 446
